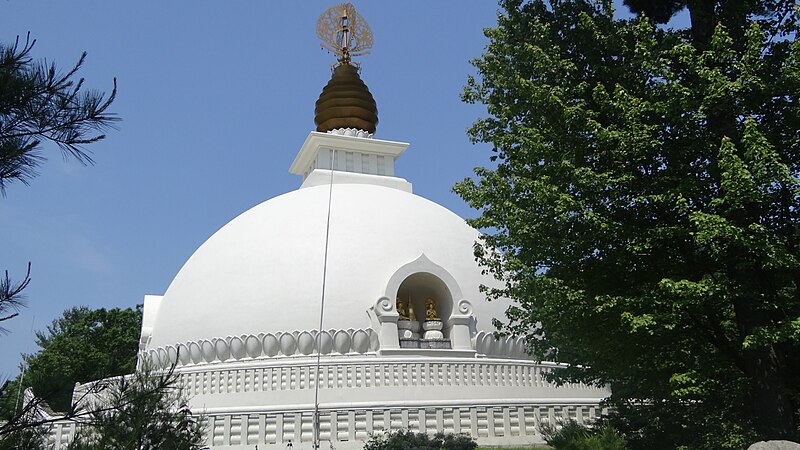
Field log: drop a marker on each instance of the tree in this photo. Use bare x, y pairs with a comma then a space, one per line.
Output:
82, 345
143, 411
122, 407
29, 438
39, 103
11, 296
643, 210
574, 436
408, 440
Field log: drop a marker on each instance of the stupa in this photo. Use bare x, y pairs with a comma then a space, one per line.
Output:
349, 306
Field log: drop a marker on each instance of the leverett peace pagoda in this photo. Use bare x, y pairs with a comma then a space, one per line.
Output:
347, 307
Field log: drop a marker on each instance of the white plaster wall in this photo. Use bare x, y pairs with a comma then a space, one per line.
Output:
262, 272
271, 402
501, 425
375, 382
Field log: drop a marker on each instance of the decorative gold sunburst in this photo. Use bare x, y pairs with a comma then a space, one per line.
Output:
344, 32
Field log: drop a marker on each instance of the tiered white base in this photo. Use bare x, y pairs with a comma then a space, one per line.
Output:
511, 425
269, 402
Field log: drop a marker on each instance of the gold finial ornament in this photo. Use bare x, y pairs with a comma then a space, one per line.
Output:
345, 102
344, 32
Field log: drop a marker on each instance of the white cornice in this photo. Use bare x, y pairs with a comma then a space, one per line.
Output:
316, 140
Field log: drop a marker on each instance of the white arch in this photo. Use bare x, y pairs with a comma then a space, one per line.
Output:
423, 265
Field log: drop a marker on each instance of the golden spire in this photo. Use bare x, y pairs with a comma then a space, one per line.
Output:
345, 102
344, 32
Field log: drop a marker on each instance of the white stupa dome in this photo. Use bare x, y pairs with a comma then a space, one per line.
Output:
240, 323
262, 272
346, 308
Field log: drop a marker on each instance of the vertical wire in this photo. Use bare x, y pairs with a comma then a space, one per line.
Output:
322, 303
19, 388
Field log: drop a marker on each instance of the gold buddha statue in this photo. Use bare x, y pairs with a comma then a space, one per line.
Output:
402, 309
430, 309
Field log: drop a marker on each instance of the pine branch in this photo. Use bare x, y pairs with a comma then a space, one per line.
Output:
11, 298
39, 104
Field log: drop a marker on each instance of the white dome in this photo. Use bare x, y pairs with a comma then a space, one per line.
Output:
240, 321
262, 272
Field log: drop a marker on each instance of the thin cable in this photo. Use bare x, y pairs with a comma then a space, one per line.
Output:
22, 376
322, 303
19, 387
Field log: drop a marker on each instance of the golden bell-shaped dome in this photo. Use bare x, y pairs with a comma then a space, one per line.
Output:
345, 102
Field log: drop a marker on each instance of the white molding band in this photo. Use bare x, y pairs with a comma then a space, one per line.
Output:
349, 428
498, 401
374, 374
262, 345
332, 342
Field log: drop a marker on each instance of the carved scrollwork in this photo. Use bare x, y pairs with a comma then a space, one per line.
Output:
464, 308
385, 307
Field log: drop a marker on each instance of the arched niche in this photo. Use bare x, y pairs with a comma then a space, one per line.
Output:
423, 277
422, 265
420, 286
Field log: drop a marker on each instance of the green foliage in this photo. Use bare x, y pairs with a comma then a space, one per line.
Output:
408, 440
11, 296
28, 438
642, 209
144, 411
574, 436
82, 345
39, 103
139, 411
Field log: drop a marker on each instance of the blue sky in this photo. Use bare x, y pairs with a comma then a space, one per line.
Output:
215, 100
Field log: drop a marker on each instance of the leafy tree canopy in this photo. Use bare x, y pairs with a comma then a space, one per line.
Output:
82, 345
643, 204
143, 411
408, 440
574, 436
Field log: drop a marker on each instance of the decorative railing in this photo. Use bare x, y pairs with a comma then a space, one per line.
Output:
304, 343
348, 428
263, 345
382, 375
377, 374
485, 343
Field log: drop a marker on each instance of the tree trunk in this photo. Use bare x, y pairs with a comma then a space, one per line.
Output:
772, 409
770, 405
703, 18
